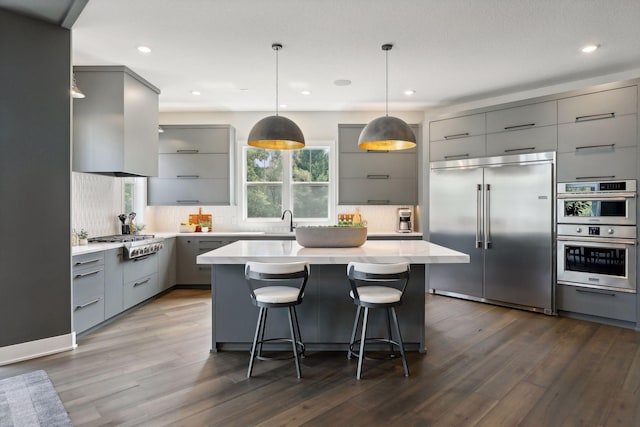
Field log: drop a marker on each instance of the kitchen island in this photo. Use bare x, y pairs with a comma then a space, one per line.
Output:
327, 312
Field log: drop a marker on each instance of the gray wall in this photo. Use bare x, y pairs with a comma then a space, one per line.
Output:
35, 165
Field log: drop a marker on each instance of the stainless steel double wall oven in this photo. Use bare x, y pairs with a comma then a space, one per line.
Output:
597, 235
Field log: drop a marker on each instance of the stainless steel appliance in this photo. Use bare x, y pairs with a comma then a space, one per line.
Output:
135, 245
499, 210
607, 202
404, 220
597, 234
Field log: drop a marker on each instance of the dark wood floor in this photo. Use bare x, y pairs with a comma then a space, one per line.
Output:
485, 366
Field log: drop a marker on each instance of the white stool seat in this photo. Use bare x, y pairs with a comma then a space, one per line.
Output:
378, 294
277, 294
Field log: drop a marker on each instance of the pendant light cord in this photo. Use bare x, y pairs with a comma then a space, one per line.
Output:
386, 55
277, 49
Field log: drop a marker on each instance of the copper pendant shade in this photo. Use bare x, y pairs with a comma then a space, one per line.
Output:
387, 132
276, 132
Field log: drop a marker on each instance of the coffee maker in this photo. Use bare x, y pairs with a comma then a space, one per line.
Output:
404, 220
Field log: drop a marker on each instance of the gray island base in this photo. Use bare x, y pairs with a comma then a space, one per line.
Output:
327, 312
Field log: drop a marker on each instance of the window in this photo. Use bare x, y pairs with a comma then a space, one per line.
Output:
299, 180
134, 197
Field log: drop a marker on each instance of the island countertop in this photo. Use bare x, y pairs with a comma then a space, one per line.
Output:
376, 251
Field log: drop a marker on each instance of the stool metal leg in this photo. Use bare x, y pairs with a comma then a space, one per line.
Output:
364, 336
389, 331
295, 316
404, 358
293, 343
354, 331
263, 326
255, 342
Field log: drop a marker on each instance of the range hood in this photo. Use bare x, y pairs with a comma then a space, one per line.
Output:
115, 127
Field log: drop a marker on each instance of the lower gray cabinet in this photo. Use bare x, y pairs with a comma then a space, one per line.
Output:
167, 265
113, 290
140, 279
597, 302
88, 291
188, 272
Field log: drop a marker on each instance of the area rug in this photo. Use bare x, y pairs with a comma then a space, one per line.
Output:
30, 400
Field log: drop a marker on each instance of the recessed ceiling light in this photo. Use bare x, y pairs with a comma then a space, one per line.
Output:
144, 49
409, 92
283, 105
306, 92
195, 93
590, 48
342, 82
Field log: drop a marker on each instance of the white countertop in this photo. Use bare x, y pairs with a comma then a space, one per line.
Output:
381, 251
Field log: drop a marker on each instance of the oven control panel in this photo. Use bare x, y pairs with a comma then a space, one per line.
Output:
606, 231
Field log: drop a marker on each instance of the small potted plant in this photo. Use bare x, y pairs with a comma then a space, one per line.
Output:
82, 237
205, 226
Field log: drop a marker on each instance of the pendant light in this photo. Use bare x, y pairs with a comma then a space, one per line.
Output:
75, 91
276, 132
387, 133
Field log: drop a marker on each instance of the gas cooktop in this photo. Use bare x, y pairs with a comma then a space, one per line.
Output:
134, 245
121, 238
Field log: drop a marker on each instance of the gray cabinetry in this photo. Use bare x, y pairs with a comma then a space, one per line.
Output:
597, 135
113, 276
457, 127
460, 148
370, 177
188, 272
458, 138
597, 302
524, 117
115, 128
140, 277
88, 291
167, 265
195, 166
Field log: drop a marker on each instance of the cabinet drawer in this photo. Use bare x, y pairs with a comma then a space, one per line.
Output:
194, 139
87, 260
188, 192
525, 117
88, 297
597, 302
378, 165
620, 131
348, 135
458, 127
190, 166
599, 105
355, 191
139, 290
523, 141
609, 163
455, 149
139, 267
88, 314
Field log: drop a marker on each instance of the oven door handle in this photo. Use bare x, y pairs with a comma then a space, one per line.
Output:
614, 197
578, 240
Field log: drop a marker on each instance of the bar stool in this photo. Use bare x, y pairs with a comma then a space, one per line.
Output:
377, 286
269, 296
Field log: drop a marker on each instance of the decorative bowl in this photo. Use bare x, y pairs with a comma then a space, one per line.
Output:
331, 237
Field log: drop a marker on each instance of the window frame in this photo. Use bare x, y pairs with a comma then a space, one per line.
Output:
288, 184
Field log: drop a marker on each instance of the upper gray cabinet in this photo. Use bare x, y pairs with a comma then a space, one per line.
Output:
195, 166
526, 129
599, 105
115, 128
458, 138
375, 177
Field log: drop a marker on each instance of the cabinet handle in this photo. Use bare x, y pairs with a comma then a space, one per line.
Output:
143, 257
141, 283
526, 125
91, 261
188, 151
587, 147
596, 177
377, 202
78, 307
595, 117
456, 135
91, 273
188, 176
204, 268
588, 291
377, 151
513, 150
453, 156
187, 201
377, 176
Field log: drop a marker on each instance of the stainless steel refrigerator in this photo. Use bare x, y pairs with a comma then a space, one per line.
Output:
499, 210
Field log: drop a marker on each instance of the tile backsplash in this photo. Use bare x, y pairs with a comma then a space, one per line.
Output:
96, 201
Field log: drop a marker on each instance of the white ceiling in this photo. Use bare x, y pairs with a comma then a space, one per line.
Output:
448, 51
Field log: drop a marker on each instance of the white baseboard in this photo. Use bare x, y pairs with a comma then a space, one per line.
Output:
32, 349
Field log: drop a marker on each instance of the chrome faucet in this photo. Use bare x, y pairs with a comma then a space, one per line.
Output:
290, 218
